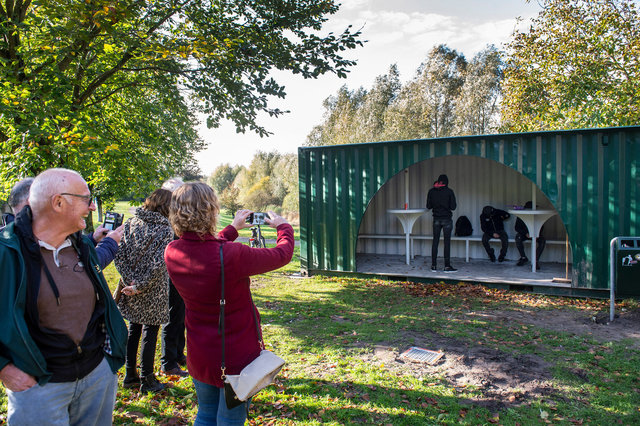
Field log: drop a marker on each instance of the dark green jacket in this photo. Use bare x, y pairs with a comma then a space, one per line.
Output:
16, 345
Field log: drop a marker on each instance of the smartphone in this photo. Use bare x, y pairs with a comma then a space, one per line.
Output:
112, 220
257, 218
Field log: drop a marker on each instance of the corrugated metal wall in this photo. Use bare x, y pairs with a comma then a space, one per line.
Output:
590, 177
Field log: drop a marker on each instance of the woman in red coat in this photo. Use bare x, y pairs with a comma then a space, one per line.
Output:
193, 262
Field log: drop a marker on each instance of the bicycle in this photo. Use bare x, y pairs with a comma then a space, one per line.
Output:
257, 240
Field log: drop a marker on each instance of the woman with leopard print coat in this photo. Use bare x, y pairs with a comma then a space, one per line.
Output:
145, 297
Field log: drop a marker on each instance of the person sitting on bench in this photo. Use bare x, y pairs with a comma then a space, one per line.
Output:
491, 222
522, 234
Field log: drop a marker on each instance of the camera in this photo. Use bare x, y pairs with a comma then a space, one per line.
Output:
112, 220
257, 218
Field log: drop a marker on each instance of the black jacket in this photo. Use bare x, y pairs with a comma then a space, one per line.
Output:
521, 228
442, 201
493, 223
7, 218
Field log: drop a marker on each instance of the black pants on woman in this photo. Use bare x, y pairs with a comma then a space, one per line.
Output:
173, 333
149, 335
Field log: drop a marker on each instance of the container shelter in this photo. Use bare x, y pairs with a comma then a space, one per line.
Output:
589, 179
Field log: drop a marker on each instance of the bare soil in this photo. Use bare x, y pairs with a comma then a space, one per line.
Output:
504, 379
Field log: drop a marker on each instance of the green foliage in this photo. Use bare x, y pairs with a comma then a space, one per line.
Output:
230, 199
111, 89
447, 96
577, 66
270, 179
260, 195
223, 176
291, 202
478, 104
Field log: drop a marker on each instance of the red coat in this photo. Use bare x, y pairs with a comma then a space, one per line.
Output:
194, 268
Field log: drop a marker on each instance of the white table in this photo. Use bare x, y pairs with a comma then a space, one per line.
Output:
534, 219
407, 218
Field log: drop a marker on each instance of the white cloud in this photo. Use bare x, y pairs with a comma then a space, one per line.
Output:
353, 4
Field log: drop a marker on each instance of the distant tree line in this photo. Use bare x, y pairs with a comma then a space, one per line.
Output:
448, 95
269, 183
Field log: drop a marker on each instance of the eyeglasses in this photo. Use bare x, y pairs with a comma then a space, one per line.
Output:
86, 197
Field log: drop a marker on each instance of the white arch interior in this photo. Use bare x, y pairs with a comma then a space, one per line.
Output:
477, 182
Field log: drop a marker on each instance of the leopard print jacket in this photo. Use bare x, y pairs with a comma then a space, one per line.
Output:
140, 260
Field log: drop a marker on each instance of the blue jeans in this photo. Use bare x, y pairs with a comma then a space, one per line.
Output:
446, 226
87, 401
212, 408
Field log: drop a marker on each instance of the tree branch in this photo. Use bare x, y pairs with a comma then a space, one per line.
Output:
111, 93
97, 82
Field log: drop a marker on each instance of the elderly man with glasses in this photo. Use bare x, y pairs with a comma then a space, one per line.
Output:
62, 338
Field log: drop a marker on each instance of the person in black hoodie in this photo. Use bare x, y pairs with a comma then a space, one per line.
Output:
442, 201
492, 224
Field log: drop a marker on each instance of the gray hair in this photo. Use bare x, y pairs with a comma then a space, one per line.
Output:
47, 184
172, 184
20, 193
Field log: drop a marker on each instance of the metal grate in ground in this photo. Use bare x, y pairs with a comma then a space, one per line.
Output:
416, 354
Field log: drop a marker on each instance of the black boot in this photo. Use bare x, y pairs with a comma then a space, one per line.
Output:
150, 384
131, 379
492, 256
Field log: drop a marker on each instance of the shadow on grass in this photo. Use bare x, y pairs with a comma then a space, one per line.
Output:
348, 402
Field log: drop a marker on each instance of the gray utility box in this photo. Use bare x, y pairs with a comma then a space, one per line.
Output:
627, 267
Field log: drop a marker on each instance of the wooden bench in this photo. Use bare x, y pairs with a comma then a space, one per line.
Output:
467, 240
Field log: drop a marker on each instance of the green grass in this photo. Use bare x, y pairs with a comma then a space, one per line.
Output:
327, 329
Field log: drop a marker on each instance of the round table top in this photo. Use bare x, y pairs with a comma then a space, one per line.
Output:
406, 210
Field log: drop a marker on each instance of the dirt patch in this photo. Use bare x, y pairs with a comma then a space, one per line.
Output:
505, 379
593, 324
502, 379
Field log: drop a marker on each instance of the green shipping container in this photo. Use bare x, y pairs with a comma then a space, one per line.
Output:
590, 177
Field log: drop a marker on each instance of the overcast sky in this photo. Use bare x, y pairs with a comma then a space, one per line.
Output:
397, 31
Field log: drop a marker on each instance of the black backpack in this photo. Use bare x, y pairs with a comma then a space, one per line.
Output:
463, 227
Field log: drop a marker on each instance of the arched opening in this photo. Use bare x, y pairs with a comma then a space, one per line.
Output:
477, 182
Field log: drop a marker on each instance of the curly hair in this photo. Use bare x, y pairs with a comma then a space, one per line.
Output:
158, 201
194, 208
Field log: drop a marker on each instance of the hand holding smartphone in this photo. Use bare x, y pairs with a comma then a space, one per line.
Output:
112, 220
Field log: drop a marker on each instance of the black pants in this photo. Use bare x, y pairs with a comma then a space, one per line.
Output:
149, 337
173, 332
540, 243
504, 239
446, 226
